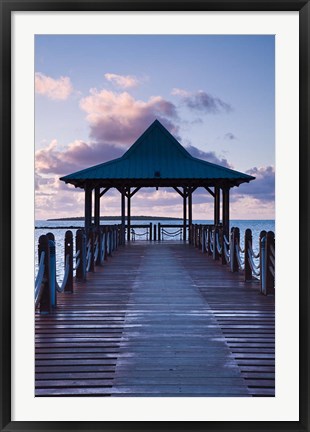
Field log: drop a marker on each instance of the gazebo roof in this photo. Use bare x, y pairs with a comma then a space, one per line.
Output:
157, 159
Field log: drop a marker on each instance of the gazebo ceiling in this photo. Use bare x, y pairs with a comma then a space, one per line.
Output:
157, 159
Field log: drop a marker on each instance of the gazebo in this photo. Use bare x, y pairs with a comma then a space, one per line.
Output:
156, 160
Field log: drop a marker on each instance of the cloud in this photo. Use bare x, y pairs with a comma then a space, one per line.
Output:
262, 188
207, 156
122, 81
55, 89
78, 155
229, 136
202, 101
40, 181
119, 118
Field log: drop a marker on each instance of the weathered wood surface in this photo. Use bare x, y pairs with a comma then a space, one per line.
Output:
159, 319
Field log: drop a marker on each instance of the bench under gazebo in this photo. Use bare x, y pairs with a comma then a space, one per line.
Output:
157, 160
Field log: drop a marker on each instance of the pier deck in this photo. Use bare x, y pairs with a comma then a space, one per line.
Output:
158, 319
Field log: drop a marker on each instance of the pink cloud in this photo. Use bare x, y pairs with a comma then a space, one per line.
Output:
56, 89
119, 118
78, 155
202, 101
122, 81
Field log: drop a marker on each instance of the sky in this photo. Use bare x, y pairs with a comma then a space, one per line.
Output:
95, 95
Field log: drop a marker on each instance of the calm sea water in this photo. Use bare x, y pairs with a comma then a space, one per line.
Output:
56, 228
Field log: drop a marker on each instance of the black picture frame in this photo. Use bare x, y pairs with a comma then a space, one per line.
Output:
7, 7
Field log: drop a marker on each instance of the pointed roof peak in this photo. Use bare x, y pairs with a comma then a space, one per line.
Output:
155, 155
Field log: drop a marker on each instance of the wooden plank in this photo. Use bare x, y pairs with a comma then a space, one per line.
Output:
158, 319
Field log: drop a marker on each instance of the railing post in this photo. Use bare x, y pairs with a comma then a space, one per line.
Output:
80, 245
270, 243
45, 302
247, 249
99, 242
123, 235
52, 275
106, 239
159, 228
69, 251
113, 238
155, 231
92, 251
222, 242
215, 251
209, 240
262, 255
110, 239
151, 231
235, 236
202, 240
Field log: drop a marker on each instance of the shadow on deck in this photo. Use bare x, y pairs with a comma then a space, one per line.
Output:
159, 319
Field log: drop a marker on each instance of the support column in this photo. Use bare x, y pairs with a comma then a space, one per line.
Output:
128, 214
216, 205
190, 214
184, 214
88, 207
123, 213
97, 207
226, 210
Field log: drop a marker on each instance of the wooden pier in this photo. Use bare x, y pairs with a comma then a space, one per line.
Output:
158, 319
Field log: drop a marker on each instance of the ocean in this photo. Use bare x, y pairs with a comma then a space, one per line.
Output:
56, 227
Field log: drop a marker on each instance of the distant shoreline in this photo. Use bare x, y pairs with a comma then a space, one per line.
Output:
80, 218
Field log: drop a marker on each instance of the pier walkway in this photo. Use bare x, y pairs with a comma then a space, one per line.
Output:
158, 319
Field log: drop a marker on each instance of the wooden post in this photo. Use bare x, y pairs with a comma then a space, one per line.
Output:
99, 240
209, 240
92, 249
128, 215
110, 238
263, 260
106, 243
247, 248
184, 214
270, 244
151, 231
69, 252
155, 230
97, 207
226, 210
45, 302
159, 233
88, 207
190, 214
216, 205
234, 240
215, 251
200, 236
203, 247
80, 245
52, 280
196, 235
222, 243
123, 215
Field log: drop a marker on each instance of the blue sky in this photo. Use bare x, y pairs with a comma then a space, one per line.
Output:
216, 94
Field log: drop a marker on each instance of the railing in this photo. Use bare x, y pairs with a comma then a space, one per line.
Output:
258, 265
156, 232
91, 249
141, 231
